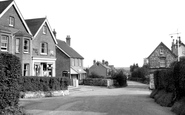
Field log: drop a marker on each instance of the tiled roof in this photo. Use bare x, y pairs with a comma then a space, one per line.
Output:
34, 24
4, 5
68, 50
22, 33
4, 29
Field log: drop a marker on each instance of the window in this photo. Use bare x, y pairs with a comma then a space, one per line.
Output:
72, 62
11, 21
44, 48
17, 45
79, 61
44, 29
26, 69
4, 43
161, 51
162, 63
26, 45
76, 62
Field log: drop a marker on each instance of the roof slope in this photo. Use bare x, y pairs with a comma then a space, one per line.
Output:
4, 5
34, 24
68, 50
165, 47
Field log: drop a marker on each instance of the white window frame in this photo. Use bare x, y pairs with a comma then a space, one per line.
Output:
11, 21
28, 46
26, 69
5, 47
72, 62
162, 63
45, 48
44, 29
17, 45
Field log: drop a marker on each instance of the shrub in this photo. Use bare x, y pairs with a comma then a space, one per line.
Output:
95, 82
10, 72
121, 79
34, 83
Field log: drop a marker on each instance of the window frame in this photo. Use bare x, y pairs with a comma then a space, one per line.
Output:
11, 21
45, 48
17, 47
44, 29
4, 43
162, 63
161, 51
26, 69
26, 51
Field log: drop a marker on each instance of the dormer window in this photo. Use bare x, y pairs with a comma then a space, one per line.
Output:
11, 21
44, 29
44, 48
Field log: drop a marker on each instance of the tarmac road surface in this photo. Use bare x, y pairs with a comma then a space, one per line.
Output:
87, 100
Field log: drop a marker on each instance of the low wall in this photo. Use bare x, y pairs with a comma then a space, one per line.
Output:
41, 94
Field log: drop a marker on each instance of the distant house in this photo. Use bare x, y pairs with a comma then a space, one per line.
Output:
69, 60
15, 36
100, 69
161, 58
43, 44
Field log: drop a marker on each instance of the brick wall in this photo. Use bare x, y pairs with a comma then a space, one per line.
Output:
62, 63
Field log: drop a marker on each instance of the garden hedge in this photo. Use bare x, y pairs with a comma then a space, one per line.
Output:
35, 83
10, 73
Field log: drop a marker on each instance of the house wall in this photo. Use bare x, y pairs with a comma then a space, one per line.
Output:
44, 38
98, 69
18, 26
62, 63
18, 23
154, 59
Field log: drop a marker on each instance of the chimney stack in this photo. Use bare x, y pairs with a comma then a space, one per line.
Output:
68, 40
55, 33
94, 62
103, 62
106, 63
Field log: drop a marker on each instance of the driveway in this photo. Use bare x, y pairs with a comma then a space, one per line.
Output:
87, 100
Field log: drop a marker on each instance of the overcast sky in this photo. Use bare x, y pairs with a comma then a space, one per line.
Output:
121, 32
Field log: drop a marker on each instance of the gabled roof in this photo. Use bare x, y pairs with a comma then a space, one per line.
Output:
162, 44
4, 7
36, 25
69, 51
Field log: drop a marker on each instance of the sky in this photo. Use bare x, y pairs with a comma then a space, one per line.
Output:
122, 32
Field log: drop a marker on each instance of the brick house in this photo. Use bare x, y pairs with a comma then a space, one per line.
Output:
15, 36
161, 58
43, 44
69, 60
100, 69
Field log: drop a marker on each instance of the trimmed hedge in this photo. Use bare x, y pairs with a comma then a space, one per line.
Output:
95, 82
10, 72
34, 83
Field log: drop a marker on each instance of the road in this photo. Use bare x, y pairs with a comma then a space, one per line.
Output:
131, 100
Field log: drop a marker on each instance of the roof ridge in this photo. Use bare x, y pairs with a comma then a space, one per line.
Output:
35, 18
